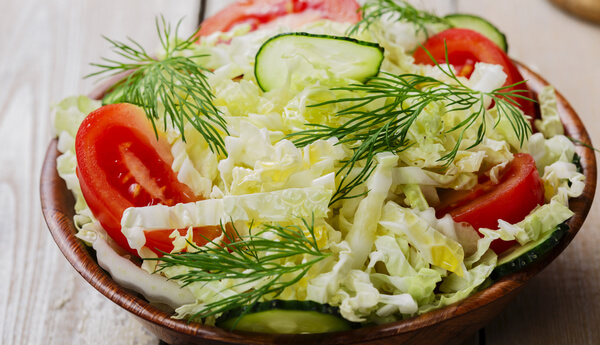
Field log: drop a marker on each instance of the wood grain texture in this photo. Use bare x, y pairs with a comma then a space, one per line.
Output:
45, 50
587, 9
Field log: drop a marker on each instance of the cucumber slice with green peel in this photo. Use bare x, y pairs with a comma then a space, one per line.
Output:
286, 317
475, 23
301, 54
519, 257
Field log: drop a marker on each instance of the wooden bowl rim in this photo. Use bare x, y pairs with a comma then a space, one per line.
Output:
57, 207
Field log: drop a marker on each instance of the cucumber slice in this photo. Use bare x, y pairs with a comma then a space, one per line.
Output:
519, 257
469, 21
286, 317
346, 57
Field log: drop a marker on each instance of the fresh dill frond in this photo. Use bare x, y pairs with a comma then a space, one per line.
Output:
175, 84
581, 143
249, 259
374, 10
402, 99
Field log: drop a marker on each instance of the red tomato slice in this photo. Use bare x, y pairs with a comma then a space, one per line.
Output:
259, 13
520, 190
121, 164
467, 47
159, 241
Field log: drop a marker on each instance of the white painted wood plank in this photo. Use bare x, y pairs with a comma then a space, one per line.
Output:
46, 50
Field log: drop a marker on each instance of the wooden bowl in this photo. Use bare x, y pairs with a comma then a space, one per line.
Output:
585, 9
450, 325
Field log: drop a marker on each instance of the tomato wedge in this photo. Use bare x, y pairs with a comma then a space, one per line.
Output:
294, 13
519, 191
466, 48
159, 241
121, 164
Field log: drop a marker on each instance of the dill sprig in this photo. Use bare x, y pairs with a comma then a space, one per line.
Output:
374, 10
404, 97
581, 143
175, 84
249, 259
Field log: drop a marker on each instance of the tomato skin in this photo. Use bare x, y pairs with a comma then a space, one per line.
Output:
520, 190
159, 241
467, 47
121, 164
263, 12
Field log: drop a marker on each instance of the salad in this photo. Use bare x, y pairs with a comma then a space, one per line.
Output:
314, 166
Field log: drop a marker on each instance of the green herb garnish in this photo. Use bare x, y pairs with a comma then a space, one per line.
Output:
403, 98
398, 11
251, 258
176, 85
581, 143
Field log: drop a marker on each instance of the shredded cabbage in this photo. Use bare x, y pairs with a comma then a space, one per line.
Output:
390, 256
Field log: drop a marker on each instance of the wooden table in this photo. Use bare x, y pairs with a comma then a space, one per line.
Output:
46, 48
